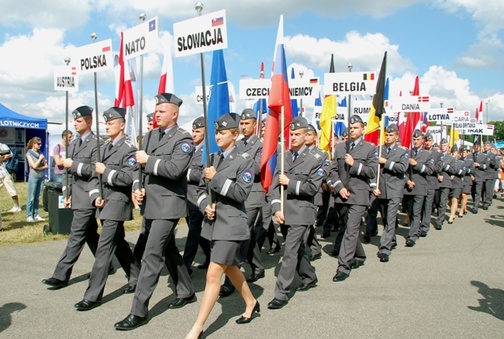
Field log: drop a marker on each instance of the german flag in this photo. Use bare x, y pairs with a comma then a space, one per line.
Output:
378, 108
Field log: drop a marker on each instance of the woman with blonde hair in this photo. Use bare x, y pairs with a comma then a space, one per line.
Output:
37, 164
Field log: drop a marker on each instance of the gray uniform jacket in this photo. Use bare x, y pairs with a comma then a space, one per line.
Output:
494, 166
121, 169
194, 177
356, 179
254, 150
432, 180
393, 172
482, 160
84, 158
305, 177
460, 171
419, 173
230, 187
326, 164
469, 165
447, 170
165, 173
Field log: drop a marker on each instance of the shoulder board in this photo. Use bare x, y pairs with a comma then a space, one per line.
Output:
183, 131
316, 155
245, 155
129, 143
403, 148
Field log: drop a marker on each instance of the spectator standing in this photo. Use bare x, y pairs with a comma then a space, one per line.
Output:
37, 164
6, 178
59, 154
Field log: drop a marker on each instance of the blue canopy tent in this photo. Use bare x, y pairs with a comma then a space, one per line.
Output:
15, 131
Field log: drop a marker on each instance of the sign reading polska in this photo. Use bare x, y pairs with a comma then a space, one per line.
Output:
140, 39
350, 83
66, 79
412, 103
201, 34
94, 57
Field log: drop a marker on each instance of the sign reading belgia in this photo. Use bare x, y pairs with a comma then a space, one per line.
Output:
94, 57
66, 79
201, 34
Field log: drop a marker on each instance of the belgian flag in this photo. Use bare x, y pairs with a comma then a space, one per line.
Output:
378, 107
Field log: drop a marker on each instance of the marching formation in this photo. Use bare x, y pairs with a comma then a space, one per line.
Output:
230, 215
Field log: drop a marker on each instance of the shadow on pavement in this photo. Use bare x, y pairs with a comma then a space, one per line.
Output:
495, 220
5, 314
491, 302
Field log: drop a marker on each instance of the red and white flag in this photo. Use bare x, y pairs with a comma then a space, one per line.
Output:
166, 80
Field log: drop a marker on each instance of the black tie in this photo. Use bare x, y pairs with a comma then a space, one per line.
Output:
161, 135
475, 156
245, 142
352, 145
219, 161
388, 150
107, 149
80, 142
295, 156
416, 152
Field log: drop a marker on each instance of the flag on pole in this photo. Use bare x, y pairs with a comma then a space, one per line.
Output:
279, 97
218, 103
377, 107
124, 90
294, 102
166, 80
413, 120
479, 113
339, 126
329, 111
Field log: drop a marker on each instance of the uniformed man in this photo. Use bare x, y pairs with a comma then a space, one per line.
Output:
166, 155
432, 184
490, 175
117, 167
421, 165
81, 157
444, 178
195, 218
353, 167
150, 121
480, 167
394, 162
302, 178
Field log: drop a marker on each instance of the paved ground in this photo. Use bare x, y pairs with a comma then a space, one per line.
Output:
450, 285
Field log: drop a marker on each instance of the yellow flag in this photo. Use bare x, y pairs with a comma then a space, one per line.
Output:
329, 109
454, 136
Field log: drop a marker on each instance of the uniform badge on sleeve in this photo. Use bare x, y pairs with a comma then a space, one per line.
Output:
131, 161
326, 162
186, 147
247, 177
320, 172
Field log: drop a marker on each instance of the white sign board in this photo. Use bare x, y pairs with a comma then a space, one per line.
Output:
201, 34
199, 94
350, 83
140, 39
436, 133
66, 79
303, 88
361, 107
95, 57
462, 125
254, 88
412, 103
481, 129
461, 116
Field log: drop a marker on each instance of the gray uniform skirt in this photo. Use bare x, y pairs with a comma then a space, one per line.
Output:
225, 252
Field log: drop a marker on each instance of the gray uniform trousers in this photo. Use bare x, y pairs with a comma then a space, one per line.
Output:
477, 190
427, 210
388, 211
415, 203
444, 192
111, 241
83, 230
250, 248
488, 192
310, 239
161, 240
294, 259
351, 248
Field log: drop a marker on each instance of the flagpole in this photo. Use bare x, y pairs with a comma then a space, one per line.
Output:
199, 9
134, 128
94, 36
142, 18
350, 66
282, 155
67, 62
380, 143
261, 101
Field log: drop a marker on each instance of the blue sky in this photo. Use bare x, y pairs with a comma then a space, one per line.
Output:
455, 46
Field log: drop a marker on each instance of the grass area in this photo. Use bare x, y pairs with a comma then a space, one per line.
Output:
17, 231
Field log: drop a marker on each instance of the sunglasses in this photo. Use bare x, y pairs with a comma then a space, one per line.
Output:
38, 143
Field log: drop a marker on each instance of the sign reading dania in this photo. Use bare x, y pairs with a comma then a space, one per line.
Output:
201, 34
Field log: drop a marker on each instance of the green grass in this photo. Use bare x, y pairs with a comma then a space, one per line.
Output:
17, 231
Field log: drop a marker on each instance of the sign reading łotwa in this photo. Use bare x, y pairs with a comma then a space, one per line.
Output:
201, 34
413, 103
481, 129
350, 83
66, 79
259, 88
95, 57
440, 116
140, 39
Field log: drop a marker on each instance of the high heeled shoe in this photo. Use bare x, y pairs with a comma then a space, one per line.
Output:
200, 335
450, 221
245, 320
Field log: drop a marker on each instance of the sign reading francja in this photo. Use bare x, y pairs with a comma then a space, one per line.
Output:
95, 57
66, 79
259, 88
412, 103
201, 34
140, 39
350, 83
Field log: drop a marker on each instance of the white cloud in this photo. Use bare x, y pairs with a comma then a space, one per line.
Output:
488, 52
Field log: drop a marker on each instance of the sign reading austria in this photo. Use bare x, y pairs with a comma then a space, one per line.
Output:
94, 57
66, 79
201, 34
140, 39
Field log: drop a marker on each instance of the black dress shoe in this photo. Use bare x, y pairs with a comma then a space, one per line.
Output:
203, 266
315, 257
226, 290
277, 304
273, 250
254, 277
475, 211
340, 276
366, 239
423, 234
129, 289
86, 305
245, 320
438, 227
130, 323
55, 284
485, 207
325, 235
394, 245
305, 287
181, 302
383, 257
410, 243
356, 264
334, 253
